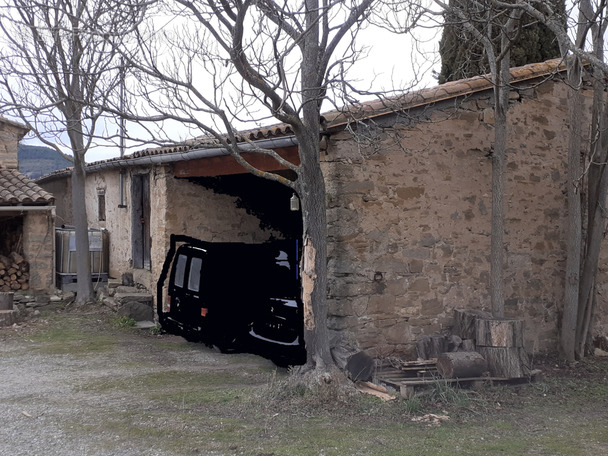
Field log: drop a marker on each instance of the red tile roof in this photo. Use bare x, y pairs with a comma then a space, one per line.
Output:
17, 189
449, 90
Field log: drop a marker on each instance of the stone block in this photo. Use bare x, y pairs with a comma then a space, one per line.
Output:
8, 317
420, 285
137, 310
416, 266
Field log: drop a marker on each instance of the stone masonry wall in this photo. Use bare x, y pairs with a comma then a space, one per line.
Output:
38, 249
201, 213
409, 221
10, 135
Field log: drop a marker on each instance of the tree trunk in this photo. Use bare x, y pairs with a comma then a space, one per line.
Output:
314, 270
311, 189
501, 91
597, 185
573, 235
84, 287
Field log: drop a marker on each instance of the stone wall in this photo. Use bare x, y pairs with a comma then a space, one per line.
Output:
409, 221
39, 248
10, 135
204, 214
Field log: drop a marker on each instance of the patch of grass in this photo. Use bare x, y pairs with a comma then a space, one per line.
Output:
156, 330
63, 340
125, 322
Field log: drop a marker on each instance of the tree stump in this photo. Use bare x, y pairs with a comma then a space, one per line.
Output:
6, 301
499, 332
506, 362
465, 322
501, 342
461, 364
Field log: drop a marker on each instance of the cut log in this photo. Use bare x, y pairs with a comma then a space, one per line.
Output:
506, 362
499, 332
461, 365
17, 259
454, 343
430, 347
6, 301
360, 367
464, 322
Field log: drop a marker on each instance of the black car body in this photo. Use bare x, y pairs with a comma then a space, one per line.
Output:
236, 296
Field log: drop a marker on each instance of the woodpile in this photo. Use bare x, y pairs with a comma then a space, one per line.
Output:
14, 273
478, 342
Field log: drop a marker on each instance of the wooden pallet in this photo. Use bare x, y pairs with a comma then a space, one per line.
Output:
406, 383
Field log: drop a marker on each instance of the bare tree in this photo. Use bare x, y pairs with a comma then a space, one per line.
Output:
581, 45
487, 24
58, 66
263, 60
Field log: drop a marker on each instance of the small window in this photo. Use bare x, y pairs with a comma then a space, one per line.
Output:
101, 205
195, 274
180, 269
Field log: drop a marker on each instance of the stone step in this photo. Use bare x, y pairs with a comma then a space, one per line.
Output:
137, 310
123, 298
8, 317
146, 324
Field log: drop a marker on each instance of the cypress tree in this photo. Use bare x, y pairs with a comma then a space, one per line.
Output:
462, 55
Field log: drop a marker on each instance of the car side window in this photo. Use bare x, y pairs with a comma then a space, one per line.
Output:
180, 269
194, 278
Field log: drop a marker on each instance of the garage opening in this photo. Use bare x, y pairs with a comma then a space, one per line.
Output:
241, 297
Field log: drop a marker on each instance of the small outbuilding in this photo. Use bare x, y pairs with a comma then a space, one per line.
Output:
27, 221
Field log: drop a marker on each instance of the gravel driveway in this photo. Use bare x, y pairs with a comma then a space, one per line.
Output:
89, 388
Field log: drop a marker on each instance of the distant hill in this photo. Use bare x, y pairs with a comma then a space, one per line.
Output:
36, 161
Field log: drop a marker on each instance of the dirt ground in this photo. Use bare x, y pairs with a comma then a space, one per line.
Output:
78, 382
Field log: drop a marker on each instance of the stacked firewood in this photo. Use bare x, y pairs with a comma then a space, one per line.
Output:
14, 272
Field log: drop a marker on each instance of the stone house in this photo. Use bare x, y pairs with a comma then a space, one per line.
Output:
27, 220
408, 201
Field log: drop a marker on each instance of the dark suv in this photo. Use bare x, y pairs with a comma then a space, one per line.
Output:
236, 296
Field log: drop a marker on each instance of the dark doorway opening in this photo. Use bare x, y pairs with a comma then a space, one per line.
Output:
11, 235
140, 237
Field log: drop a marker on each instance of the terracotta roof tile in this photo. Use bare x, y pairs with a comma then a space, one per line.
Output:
441, 92
17, 189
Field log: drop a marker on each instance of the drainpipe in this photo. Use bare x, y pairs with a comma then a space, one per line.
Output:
123, 133
22, 209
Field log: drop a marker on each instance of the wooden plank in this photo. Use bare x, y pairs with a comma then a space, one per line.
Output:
225, 164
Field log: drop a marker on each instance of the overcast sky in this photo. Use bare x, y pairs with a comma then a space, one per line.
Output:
393, 63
